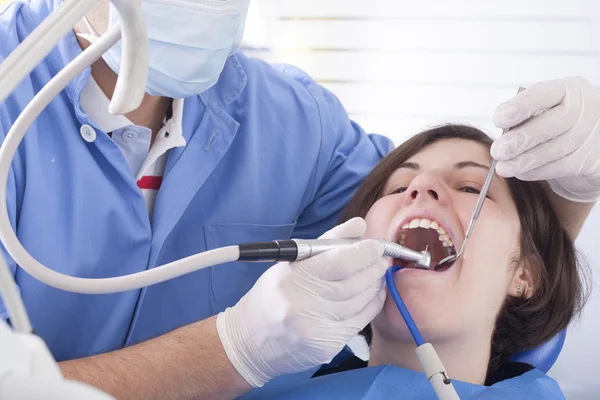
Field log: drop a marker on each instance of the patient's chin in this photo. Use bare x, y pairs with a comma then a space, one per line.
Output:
435, 319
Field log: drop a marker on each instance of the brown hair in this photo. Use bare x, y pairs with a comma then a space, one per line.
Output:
545, 249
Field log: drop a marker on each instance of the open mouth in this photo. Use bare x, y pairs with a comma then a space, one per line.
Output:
423, 234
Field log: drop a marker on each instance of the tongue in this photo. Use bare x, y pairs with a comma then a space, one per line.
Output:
411, 264
420, 239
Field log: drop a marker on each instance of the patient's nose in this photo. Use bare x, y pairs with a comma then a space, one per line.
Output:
430, 192
427, 186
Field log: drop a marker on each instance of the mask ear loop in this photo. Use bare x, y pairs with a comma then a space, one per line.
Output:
391, 285
89, 26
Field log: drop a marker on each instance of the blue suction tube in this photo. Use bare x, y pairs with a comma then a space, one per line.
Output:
391, 285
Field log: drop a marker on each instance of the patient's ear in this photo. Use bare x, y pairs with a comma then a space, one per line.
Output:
522, 284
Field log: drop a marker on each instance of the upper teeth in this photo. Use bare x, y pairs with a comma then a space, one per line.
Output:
427, 224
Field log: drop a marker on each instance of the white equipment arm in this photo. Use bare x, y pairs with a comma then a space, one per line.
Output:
27, 369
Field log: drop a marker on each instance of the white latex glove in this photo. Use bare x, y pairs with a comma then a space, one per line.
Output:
559, 140
300, 315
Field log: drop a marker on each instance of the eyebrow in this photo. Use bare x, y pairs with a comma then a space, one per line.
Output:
467, 164
458, 165
409, 165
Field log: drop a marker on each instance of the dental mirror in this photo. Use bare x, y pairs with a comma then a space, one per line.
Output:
448, 261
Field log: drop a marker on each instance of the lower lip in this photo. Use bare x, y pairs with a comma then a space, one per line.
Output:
412, 270
446, 268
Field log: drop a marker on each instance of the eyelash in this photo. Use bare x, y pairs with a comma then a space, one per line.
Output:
399, 190
470, 189
466, 189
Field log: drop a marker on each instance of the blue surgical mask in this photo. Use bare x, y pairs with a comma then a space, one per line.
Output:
189, 42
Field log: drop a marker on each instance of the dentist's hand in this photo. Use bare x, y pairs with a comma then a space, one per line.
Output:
558, 139
300, 315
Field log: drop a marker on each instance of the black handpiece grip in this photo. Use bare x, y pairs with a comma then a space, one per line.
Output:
277, 250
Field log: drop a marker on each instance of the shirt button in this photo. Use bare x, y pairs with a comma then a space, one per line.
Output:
128, 136
87, 133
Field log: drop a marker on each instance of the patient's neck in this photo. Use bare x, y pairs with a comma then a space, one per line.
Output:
465, 359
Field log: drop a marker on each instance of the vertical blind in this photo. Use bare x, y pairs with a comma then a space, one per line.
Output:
400, 66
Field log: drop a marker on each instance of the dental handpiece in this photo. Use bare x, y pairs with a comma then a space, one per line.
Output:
301, 249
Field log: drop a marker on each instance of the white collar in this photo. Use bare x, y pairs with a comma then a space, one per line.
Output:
94, 103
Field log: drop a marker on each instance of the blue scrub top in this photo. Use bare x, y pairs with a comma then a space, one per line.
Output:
270, 155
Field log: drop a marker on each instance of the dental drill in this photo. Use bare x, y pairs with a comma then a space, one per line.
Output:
275, 251
301, 249
27, 368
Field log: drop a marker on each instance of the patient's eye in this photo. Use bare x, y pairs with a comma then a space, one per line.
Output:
470, 189
399, 190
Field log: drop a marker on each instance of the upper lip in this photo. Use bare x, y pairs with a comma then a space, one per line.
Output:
451, 226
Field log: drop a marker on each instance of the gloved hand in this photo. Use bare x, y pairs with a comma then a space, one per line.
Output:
300, 315
559, 140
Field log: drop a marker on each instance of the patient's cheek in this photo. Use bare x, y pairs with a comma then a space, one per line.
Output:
379, 218
500, 234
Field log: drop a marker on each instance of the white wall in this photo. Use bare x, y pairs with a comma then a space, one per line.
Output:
399, 66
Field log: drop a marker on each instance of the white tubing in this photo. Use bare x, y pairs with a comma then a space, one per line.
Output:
39, 44
8, 289
10, 240
131, 83
133, 71
13, 67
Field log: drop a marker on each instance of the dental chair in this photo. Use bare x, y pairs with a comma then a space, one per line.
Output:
383, 382
544, 356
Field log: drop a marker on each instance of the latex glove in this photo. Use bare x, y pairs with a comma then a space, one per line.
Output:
300, 315
559, 140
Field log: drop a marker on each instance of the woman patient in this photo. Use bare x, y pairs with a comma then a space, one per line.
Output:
516, 286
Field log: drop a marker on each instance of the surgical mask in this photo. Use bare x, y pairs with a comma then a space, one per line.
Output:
189, 42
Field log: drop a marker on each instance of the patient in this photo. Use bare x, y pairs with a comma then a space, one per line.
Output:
516, 286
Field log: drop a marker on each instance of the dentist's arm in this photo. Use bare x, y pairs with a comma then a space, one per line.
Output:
187, 363
557, 139
572, 214
296, 317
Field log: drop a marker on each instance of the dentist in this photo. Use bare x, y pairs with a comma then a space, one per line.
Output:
223, 150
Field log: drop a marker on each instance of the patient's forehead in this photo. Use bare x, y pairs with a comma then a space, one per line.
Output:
444, 154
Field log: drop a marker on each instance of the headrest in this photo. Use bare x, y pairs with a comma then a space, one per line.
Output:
544, 356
